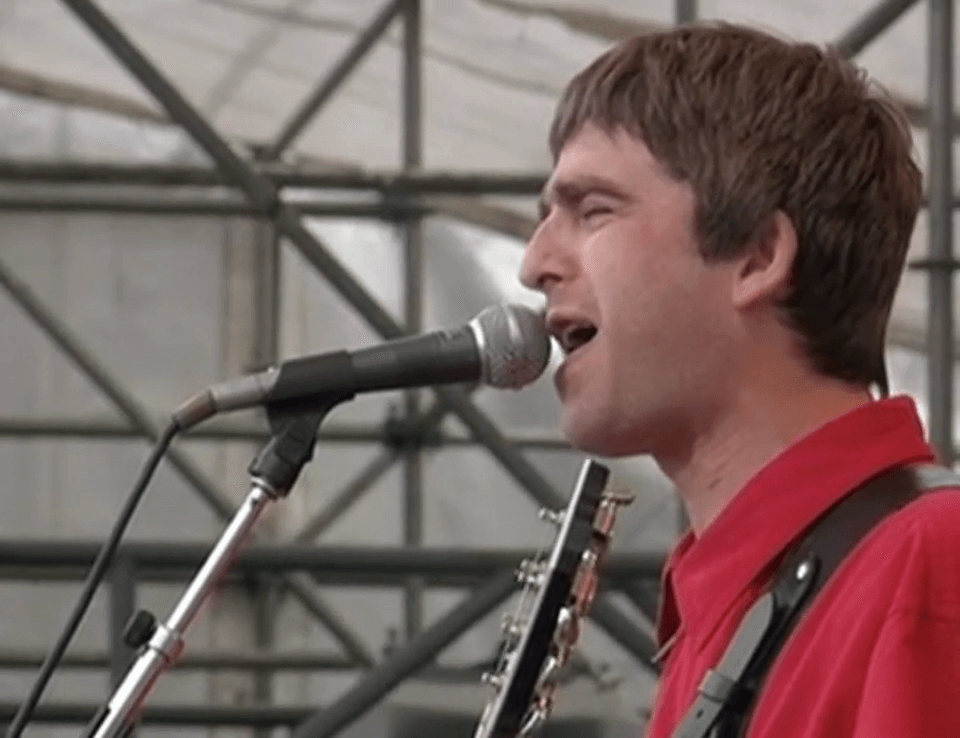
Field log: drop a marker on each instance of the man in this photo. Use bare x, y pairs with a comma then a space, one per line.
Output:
721, 240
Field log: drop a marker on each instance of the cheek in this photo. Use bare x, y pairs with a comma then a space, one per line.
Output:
652, 288
664, 320
615, 258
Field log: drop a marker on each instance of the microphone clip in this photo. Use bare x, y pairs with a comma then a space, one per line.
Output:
293, 437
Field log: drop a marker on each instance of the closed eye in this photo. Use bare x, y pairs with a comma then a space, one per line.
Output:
594, 212
584, 199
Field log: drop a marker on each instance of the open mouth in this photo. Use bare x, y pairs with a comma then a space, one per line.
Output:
576, 337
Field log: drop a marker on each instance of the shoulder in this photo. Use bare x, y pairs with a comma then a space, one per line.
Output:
931, 522
919, 548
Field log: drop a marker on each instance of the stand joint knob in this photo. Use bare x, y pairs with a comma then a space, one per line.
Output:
139, 629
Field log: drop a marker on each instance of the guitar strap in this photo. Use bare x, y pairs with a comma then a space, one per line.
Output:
729, 691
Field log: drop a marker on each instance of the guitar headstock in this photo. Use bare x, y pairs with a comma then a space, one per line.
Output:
541, 635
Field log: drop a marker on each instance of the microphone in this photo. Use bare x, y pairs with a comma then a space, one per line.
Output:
505, 346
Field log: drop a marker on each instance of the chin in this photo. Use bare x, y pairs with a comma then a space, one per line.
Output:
599, 437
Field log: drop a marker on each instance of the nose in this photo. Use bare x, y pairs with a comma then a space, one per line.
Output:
544, 262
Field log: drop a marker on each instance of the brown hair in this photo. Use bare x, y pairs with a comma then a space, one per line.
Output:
757, 124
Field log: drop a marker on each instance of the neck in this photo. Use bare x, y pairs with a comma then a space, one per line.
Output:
763, 420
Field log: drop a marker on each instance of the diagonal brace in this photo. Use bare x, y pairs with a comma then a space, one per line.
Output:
870, 25
348, 62
140, 419
407, 660
366, 479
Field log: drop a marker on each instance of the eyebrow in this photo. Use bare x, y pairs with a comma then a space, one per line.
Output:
571, 191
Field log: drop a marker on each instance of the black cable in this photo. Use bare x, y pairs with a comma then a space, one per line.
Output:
94, 577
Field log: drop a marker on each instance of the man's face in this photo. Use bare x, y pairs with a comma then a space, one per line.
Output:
645, 322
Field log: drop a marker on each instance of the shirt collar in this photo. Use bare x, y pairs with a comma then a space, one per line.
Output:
704, 576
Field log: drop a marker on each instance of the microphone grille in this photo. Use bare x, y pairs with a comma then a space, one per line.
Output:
514, 345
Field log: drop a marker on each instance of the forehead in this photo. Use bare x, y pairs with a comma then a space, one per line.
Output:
594, 153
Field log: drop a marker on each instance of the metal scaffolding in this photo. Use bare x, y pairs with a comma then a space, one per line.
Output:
258, 184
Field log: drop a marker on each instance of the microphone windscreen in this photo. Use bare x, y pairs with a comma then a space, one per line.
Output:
514, 345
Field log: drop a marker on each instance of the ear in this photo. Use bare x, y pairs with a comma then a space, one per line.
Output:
763, 271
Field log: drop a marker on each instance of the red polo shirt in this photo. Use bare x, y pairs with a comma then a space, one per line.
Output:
878, 654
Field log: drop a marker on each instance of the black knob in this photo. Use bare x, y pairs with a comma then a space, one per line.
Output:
139, 629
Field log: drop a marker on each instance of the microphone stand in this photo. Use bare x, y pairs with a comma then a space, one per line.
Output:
272, 474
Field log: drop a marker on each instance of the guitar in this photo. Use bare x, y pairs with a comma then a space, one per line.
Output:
558, 592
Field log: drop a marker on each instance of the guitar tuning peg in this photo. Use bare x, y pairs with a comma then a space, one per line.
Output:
549, 672
568, 627
494, 680
552, 516
530, 572
535, 718
510, 625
